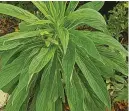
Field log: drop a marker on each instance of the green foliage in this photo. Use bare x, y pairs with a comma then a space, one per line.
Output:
56, 62
118, 20
118, 27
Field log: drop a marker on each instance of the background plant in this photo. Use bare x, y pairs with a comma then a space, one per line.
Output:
118, 20
49, 63
118, 27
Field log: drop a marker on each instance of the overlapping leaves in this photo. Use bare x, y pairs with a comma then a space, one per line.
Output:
53, 63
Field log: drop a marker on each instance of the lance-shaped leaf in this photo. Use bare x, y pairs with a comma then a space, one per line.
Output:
48, 93
42, 7
106, 70
71, 7
93, 77
18, 101
75, 102
40, 60
103, 39
9, 45
64, 38
16, 39
88, 17
24, 76
22, 35
96, 5
12, 70
58, 105
69, 61
17, 12
85, 43
115, 59
6, 55
89, 96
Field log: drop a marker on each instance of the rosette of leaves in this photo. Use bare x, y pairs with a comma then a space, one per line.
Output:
49, 63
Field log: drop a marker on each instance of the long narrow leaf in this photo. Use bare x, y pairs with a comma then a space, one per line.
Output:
71, 7
93, 77
85, 43
17, 12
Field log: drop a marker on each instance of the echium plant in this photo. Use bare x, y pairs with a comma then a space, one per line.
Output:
48, 62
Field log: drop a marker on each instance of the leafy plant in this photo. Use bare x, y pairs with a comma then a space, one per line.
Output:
118, 20
49, 63
118, 27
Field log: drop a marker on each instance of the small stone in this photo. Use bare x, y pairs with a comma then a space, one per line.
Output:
3, 98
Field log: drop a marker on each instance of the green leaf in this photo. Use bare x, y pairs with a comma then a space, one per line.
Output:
9, 88
22, 84
87, 17
21, 35
96, 5
48, 88
22, 89
90, 97
60, 84
58, 105
62, 8
122, 95
18, 101
41, 22
16, 39
52, 10
75, 102
103, 39
40, 60
9, 45
115, 59
64, 38
33, 103
71, 7
17, 12
42, 7
93, 77
120, 79
24, 26
106, 69
6, 55
11, 70
56, 5
82, 41
68, 62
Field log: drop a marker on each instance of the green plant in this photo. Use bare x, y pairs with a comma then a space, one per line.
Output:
49, 63
118, 20
118, 27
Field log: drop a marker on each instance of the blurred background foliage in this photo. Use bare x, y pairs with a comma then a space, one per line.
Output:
118, 22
